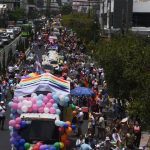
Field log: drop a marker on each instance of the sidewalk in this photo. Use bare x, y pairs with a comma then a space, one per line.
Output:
145, 139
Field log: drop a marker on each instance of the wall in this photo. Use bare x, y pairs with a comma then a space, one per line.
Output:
6, 50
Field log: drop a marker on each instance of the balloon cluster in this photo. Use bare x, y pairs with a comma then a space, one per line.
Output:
35, 104
21, 144
65, 129
55, 146
39, 104
17, 123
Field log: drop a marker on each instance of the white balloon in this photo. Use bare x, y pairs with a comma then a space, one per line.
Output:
19, 105
33, 95
29, 104
24, 108
20, 98
25, 102
61, 103
61, 97
46, 110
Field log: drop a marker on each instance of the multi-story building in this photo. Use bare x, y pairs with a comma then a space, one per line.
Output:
111, 13
11, 4
141, 13
39, 5
84, 6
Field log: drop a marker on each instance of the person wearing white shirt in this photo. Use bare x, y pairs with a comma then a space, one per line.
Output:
10, 69
80, 121
115, 136
2, 114
101, 127
80, 140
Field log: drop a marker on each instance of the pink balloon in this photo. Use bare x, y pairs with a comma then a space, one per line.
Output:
33, 100
52, 101
39, 143
19, 105
14, 106
49, 95
12, 123
45, 100
52, 110
34, 107
18, 120
41, 110
17, 126
30, 109
49, 105
43, 105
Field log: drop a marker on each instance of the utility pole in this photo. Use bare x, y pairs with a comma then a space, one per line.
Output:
101, 15
48, 7
127, 13
108, 17
89, 8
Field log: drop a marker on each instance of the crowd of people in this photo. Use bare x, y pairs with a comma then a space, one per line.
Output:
117, 132
104, 131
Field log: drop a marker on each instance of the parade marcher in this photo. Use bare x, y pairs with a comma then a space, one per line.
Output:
101, 126
80, 121
80, 140
137, 133
107, 144
86, 145
2, 114
116, 137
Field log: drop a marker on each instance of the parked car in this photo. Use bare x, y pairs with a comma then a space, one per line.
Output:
5, 38
11, 33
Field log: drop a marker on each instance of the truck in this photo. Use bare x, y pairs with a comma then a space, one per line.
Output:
36, 116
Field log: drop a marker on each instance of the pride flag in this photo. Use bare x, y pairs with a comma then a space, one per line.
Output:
43, 82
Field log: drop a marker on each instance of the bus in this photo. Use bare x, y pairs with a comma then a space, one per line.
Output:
26, 30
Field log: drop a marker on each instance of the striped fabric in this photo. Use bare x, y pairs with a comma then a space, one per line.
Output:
43, 82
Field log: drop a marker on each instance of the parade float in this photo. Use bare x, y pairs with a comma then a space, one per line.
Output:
36, 116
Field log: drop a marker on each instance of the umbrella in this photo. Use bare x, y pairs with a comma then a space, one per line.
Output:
82, 91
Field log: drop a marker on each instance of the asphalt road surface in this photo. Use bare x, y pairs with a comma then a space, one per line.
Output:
4, 134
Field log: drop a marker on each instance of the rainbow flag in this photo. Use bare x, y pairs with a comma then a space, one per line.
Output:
43, 82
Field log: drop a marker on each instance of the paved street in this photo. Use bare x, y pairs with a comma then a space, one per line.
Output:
4, 135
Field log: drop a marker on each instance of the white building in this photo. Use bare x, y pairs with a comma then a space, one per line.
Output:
141, 6
3, 8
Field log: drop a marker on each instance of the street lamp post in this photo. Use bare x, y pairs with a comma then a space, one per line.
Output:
101, 15
108, 18
127, 18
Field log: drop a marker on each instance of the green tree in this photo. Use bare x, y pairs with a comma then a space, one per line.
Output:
66, 9
126, 61
17, 14
83, 24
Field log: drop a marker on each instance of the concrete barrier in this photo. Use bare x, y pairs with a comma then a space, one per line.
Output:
5, 51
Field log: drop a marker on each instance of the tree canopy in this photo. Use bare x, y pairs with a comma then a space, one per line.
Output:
17, 14
66, 9
85, 26
126, 61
